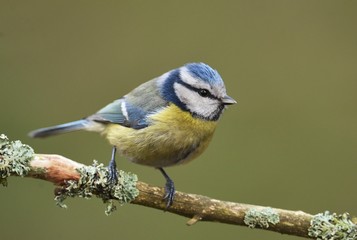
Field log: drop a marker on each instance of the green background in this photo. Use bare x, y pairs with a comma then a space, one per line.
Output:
289, 143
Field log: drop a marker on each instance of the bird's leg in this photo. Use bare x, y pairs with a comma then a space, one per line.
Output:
112, 168
169, 189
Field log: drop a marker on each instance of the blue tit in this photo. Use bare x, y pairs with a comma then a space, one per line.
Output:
164, 122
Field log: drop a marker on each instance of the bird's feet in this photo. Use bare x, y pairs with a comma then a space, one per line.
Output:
169, 189
112, 169
169, 193
113, 174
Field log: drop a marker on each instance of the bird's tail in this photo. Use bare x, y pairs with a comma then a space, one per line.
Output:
59, 129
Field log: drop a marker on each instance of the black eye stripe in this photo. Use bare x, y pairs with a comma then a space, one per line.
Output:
209, 94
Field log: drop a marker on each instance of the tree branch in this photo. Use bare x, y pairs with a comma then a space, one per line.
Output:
75, 179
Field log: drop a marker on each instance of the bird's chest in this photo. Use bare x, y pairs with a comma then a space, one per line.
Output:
173, 137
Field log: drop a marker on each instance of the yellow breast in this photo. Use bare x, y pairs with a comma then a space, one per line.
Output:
173, 137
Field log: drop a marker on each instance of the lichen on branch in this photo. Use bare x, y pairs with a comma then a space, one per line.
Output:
19, 159
94, 181
14, 158
261, 217
328, 225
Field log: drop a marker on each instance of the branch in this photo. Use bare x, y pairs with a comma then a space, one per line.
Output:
75, 179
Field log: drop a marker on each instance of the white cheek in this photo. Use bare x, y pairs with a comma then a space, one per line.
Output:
202, 106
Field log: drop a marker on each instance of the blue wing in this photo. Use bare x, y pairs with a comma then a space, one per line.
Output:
123, 113
132, 110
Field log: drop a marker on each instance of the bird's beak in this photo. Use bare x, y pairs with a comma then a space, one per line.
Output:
227, 100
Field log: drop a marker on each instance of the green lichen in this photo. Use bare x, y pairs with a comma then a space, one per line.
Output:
261, 217
14, 158
333, 227
94, 181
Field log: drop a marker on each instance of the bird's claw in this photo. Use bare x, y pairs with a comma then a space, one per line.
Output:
112, 169
169, 193
113, 175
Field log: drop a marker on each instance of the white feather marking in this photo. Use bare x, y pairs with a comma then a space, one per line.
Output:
94, 126
124, 111
194, 82
217, 90
160, 80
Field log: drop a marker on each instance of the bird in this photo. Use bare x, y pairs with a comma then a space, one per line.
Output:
163, 122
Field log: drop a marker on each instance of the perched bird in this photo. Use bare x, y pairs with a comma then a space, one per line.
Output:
166, 121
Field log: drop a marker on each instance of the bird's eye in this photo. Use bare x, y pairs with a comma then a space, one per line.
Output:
203, 92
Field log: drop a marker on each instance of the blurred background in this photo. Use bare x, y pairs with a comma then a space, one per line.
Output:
290, 142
